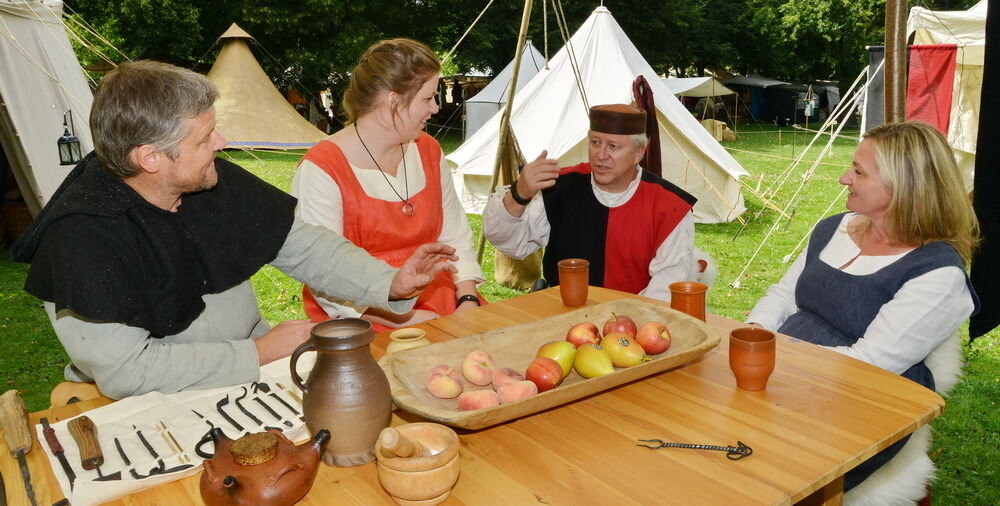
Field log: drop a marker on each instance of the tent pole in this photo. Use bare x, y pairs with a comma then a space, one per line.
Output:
895, 61
505, 133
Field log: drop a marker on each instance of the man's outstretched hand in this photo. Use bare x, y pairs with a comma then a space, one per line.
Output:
420, 269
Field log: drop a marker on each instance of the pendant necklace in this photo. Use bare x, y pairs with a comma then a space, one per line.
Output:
407, 207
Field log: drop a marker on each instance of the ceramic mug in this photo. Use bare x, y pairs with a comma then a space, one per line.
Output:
574, 278
689, 297
751, 357
404, 339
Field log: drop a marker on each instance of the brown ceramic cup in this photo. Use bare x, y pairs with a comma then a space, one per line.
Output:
689, 297
751, 357
574, 278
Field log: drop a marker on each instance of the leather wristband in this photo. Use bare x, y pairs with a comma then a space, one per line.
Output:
467, 297
517, 198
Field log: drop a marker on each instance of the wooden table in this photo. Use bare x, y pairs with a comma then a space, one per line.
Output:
821, 415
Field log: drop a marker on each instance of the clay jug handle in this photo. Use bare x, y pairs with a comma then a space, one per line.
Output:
394, 442
304, 347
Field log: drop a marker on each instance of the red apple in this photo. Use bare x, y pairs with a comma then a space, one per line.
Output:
562, 352
620, 323
545, 373
583, 333
654, 338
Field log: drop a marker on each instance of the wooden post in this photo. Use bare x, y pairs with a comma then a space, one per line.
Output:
895, 61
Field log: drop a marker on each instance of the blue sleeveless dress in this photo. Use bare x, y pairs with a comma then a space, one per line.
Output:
835, 308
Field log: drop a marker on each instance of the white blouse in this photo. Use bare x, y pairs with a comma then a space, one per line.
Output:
519, 237
924, 312
320, 203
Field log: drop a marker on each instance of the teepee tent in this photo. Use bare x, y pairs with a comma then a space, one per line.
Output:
250, 112
696, 87
40, 79
549, 114
480, 108
967, 29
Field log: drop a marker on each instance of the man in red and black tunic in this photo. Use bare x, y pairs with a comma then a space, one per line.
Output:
634, 227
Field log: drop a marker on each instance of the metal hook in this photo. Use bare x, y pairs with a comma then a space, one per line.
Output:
732, 452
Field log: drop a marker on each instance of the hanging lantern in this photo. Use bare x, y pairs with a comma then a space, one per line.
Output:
69, 145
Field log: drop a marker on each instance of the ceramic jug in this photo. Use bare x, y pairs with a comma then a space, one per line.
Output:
282, 479
346, 393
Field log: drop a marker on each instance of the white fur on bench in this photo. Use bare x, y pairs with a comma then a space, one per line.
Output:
903, 480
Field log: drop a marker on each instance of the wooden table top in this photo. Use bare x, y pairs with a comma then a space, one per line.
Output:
821, 415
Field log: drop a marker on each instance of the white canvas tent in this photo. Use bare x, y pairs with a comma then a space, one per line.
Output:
549, 113
481, 107
250, 112
696, 87
40, 79
967, 29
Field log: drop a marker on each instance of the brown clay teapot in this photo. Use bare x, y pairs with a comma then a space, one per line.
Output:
263, 469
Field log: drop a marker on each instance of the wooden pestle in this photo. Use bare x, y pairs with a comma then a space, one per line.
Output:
396, 444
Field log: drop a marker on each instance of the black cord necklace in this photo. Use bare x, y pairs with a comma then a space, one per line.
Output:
407, 208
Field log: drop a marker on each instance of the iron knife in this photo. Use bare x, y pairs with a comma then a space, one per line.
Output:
57, 450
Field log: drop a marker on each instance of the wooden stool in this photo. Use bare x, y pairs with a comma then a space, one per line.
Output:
69, 392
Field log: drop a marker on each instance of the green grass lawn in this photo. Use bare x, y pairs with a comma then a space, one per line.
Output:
966, 444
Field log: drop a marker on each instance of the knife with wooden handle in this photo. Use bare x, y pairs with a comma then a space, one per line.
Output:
85, 434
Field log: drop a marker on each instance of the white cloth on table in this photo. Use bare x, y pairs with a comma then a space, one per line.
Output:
925, 311
320, 203
146, 412
519, 237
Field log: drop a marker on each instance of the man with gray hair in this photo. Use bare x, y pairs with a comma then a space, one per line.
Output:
634, 227
144, 254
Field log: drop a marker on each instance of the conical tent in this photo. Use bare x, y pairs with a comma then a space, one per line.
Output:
250, 111
967, 29
480, 108
549, 114
40, 79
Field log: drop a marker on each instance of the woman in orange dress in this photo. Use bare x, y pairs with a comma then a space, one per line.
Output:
382, 182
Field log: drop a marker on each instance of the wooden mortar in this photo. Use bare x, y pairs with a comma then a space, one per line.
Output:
418, 463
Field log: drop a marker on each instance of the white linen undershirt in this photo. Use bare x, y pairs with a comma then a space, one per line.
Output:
519, 237
924, 312
321, 203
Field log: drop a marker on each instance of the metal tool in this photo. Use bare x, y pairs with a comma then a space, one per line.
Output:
57, 450
84, 433
160, 465
218, 406
246, 392
128, 463
732, 452
266, 406
3, 492
266, 389
14, 423
206, 420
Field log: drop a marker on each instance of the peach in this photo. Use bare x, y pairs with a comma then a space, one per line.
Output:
445, 370
443, 386
477, 399
505, 375
516, 390
478, 368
